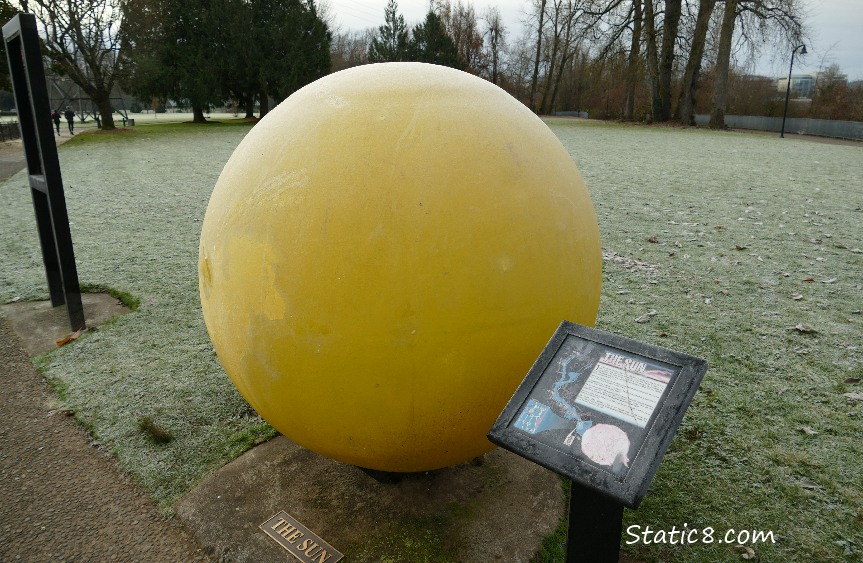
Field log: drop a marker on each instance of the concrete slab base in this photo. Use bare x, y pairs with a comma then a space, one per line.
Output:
496, 508
40, 326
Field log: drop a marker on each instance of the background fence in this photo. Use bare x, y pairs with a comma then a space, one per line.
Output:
9, 131
804, 126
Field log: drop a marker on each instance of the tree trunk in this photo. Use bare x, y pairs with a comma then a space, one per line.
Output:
723, 61
555, 46
686, 104
531, 101
565, 54
632, 65
265, 104
494, 38
198, 113
106, 113
666, 59
652, 62
249, 103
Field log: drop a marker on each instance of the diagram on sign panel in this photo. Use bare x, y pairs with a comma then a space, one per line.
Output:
620, 387
538, 417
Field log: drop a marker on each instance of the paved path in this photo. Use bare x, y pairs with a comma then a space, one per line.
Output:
60, 498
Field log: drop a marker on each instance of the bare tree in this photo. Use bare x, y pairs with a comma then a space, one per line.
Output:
351, 48
496, 34
539, 33
781, 18
686, 103
462, 26
661, 64
82, 41
633, 62
723, 62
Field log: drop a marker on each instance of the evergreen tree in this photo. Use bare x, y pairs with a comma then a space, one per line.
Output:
291, 48
189, 50
175, 48
391, 44
7, 12
431, 44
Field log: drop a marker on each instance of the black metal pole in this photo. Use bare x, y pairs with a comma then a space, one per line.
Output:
595, 526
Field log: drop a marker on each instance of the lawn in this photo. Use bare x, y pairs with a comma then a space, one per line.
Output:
740, 248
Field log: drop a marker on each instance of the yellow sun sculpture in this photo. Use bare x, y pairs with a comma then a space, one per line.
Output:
384, 256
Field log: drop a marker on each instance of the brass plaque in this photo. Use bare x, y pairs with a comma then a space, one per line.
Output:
301, 542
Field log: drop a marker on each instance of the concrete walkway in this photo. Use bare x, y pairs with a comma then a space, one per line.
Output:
61, 499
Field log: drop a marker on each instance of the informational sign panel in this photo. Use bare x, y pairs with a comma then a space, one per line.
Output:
600, 409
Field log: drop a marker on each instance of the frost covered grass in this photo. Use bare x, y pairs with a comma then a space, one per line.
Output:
136, 205
754, 244
740, 248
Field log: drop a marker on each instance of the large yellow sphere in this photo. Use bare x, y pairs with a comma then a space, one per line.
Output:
384, 256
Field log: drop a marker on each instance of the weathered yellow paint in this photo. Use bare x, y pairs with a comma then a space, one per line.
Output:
385, 255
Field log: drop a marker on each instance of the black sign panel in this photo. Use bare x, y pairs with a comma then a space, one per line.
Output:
600, 409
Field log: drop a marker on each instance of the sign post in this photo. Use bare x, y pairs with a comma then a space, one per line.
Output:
43, 166
602, 410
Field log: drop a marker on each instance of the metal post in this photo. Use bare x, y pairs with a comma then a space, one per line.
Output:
595, 526
43, 166
788, 87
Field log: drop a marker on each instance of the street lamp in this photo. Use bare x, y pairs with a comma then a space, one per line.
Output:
788, 86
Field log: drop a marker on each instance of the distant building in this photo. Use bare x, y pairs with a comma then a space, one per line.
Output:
803, 85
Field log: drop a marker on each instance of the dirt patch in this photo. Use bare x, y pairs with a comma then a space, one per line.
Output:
630, 264
40, 326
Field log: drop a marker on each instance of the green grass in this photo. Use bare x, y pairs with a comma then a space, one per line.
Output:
741, 224
124, 297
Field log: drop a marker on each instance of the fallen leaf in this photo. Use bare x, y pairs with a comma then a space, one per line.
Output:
796, 296
854, 396
804, 329
852, 381
646, 317
740, 247
719, 227
746, 552
807, 430
653, 239
664, 334
809, 280
70, 338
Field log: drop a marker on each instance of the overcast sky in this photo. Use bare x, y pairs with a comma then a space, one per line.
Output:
835, 29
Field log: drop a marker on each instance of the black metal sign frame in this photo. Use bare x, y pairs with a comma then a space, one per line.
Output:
43, 166
600, 409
